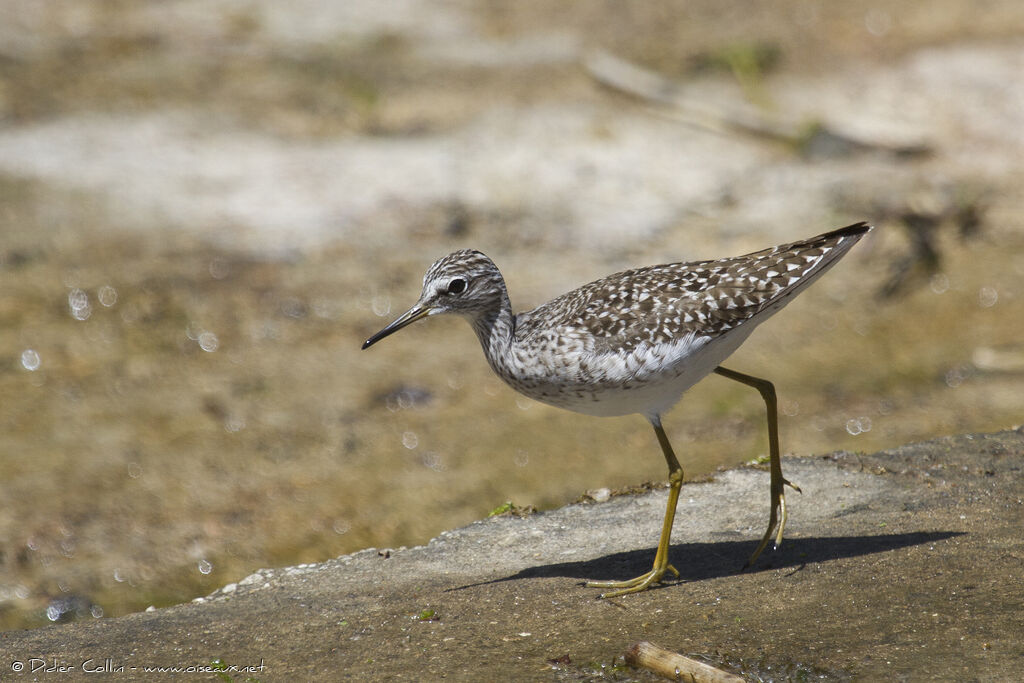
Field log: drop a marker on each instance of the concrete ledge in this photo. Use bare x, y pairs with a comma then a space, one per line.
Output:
901, 564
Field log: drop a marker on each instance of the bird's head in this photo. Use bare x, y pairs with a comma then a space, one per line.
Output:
464, 282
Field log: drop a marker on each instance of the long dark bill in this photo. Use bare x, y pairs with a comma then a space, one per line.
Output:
407, 318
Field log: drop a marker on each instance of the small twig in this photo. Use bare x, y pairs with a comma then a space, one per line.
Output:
676, 666
626, 77
814, 139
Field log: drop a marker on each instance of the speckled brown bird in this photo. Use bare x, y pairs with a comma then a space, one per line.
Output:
634, 341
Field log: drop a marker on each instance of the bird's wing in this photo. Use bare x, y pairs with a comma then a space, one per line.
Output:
658, 304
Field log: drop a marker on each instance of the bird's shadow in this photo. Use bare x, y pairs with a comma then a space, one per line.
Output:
700, 561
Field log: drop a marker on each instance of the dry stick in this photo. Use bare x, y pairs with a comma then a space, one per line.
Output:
626, 77
676, 666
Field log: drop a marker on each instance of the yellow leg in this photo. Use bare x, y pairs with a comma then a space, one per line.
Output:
778, 482
661, 564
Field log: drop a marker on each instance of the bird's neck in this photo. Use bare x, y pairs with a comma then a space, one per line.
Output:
495, 329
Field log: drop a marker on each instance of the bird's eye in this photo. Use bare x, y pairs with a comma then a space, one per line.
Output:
457, 286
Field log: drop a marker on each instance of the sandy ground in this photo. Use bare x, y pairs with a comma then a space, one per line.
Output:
206, 207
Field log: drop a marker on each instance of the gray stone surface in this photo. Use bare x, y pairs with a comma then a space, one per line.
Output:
901, 565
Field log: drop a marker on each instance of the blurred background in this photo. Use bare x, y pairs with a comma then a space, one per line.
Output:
206, 206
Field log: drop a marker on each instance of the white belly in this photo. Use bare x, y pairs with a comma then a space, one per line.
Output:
646, 381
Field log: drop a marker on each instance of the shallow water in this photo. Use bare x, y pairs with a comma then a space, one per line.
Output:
184, 396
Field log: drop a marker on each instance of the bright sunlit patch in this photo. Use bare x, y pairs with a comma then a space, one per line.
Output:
878, 22
381, 305
955, 376
234, 423
78, 303
208, 342
939, 283
107, 296
432, 460
858, 425
30, 360
987, 297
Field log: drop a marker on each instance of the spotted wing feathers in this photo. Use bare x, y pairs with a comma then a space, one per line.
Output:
658, 304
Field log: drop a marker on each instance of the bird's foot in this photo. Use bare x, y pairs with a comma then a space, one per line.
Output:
776, 522
635, 585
